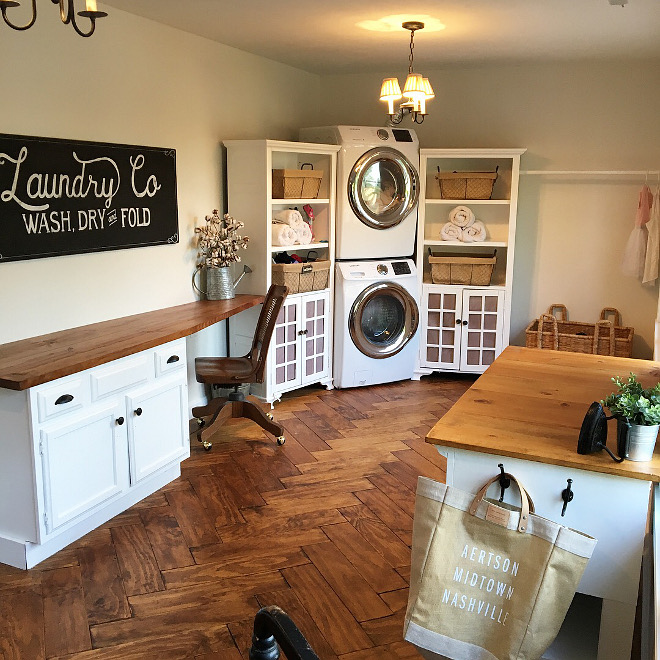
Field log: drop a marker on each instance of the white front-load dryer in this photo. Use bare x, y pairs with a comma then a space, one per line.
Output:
377, 189
376, 321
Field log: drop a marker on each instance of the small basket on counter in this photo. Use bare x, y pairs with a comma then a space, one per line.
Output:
297, 184
462, 268
466, 185
301, 278
606, 336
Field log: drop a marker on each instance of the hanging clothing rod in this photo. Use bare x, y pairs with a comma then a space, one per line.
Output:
594, 172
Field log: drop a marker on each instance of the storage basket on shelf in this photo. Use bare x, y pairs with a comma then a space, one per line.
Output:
297, 184
466, 185
301, 278
462, 268
604, 337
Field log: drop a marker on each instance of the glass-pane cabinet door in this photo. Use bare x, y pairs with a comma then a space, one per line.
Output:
315, 358
441, 326
284, 346
481, 323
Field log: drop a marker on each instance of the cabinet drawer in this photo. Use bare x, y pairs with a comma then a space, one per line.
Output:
65, 396
119, 375
170, 357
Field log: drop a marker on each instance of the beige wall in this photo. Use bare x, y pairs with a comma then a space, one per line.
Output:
135, 82
569, 116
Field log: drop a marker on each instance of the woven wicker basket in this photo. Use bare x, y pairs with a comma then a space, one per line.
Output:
605, 337
462, 268
466, 185
297, 184
301, 278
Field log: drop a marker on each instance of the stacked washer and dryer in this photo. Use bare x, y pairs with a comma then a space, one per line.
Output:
376, 285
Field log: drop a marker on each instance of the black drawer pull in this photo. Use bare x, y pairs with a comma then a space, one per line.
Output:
120, 421
138, 411
65, 398
172, 359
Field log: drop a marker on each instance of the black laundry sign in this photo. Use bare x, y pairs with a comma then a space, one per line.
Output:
66, 197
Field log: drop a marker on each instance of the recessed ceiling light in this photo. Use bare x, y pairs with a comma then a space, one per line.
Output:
393, 23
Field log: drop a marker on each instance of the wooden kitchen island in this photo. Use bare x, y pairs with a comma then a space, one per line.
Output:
525, 412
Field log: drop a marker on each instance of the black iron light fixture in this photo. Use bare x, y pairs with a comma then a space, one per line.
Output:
67, 14
417, 89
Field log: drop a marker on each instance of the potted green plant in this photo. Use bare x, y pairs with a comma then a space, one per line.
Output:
218, 244
639, 410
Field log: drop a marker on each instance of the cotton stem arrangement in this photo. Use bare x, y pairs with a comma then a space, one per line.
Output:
218, 242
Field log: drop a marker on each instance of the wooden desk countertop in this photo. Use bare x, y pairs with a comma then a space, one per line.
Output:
530, 404
37, 360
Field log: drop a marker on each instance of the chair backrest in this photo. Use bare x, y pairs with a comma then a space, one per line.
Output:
265, 326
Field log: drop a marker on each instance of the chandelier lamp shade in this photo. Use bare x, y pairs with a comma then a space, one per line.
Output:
67, 14
417, 90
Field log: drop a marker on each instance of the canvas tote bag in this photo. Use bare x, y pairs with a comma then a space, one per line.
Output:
488, 581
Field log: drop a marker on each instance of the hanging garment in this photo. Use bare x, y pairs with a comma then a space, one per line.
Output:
653, 242
635, 251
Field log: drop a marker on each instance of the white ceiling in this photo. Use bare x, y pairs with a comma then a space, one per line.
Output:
323, 37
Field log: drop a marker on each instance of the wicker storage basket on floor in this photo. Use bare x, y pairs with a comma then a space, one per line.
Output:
466, 185
462, 268
301, 278
605, 337
297, 184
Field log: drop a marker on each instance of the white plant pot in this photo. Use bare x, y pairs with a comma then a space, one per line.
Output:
641, 442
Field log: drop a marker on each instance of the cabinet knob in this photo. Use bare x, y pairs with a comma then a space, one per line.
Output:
65, 398
302, 332
458, 321
465, 322
119, 421
138, 411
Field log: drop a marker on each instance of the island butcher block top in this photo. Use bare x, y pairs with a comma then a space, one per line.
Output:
530, 404
30, 362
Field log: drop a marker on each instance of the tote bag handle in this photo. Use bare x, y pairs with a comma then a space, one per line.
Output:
527, 505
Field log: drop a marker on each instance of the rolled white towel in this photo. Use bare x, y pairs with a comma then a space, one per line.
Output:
291, 217
304, 234
451, 232
461, 216
475, 233
283, 234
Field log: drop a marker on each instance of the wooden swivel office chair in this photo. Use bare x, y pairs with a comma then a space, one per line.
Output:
234, 371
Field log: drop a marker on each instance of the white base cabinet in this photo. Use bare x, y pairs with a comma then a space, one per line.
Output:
462, 328
79, 450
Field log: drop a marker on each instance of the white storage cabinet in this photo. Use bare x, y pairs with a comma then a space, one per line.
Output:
300, 352
465, 327
80, 449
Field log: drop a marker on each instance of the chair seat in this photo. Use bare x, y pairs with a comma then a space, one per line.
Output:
224, 371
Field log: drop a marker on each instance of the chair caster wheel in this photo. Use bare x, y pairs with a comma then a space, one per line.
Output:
270, 416
207, 446
281, 440
200, 422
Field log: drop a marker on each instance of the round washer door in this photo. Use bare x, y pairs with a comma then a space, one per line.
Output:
383, 188
383, 319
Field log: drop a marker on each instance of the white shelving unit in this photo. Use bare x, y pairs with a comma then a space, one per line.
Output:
465, 327
301, 348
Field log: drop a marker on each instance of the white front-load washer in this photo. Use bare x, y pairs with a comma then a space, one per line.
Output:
377, 189
376, 319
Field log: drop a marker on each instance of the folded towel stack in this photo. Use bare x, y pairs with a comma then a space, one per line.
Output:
293, 221
462, 226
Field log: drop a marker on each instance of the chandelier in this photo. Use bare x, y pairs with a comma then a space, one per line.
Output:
67, 14
417, 89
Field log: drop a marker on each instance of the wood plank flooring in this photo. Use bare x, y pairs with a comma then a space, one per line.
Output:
320, 526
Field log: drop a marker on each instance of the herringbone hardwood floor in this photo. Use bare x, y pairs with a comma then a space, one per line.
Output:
320, 526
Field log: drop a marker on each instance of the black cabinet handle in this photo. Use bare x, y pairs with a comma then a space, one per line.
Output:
138, 411
465, 322
120, 421
458, 321
172, 359
65, 398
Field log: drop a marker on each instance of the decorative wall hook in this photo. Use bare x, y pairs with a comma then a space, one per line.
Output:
566, 495
504, 481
